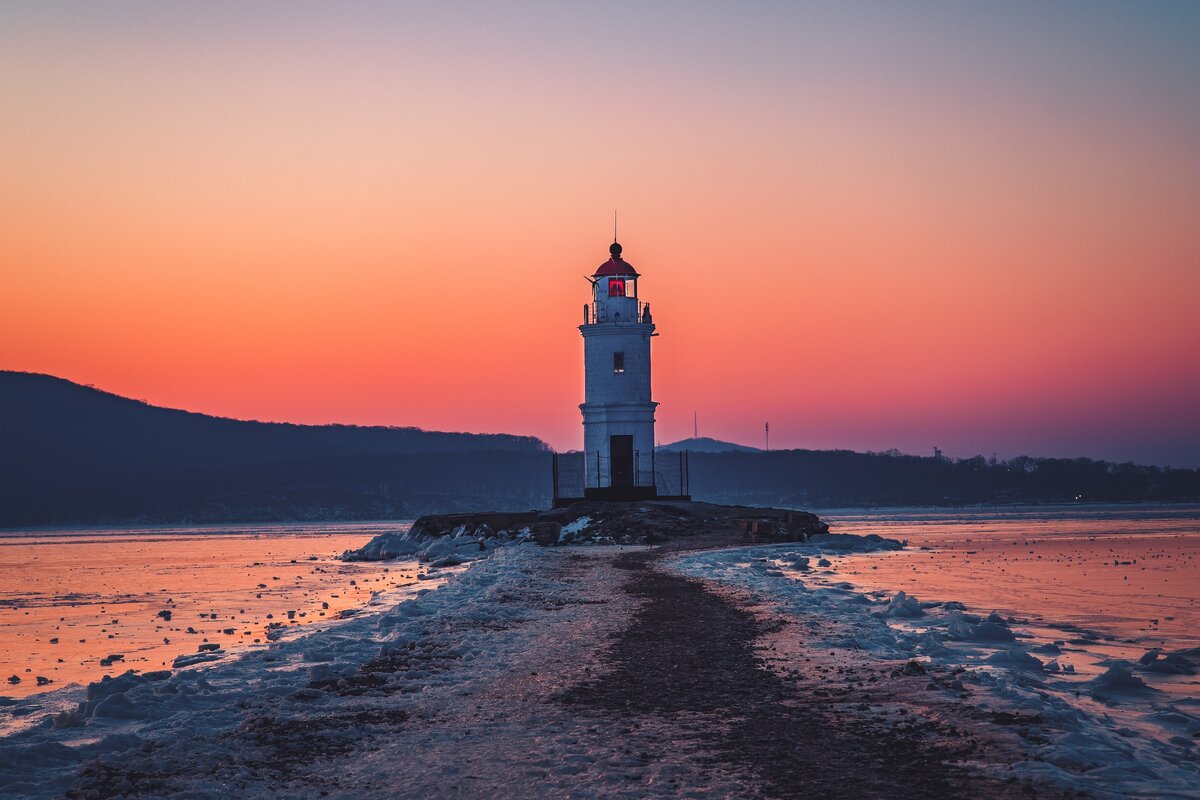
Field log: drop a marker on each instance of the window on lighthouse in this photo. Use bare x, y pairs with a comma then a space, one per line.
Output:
618, 362
616, 287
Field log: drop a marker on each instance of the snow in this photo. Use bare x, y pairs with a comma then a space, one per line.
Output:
451, 688
1112, 736
571, 528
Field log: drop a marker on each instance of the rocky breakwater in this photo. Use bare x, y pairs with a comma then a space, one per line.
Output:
450, 539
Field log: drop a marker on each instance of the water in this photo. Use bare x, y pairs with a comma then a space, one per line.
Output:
71, 598
1106, 581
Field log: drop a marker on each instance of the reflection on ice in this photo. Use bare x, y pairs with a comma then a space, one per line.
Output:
76, 605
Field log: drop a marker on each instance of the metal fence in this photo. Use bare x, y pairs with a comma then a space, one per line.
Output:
575, 473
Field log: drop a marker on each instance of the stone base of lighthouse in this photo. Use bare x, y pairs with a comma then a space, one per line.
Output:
619, 461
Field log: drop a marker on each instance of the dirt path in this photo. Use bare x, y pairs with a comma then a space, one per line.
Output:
577, 673
691, 651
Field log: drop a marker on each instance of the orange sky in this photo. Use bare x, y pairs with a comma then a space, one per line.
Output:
877, 228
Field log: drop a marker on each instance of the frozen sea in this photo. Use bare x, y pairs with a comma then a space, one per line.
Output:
1089, 655
1081, 622
1117, 579
71, 598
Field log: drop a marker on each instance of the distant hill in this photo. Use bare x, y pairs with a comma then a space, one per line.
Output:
705, 444
71, 453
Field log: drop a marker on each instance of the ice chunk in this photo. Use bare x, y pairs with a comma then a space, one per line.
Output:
852, 543
959, 627
397, 547
1015, 658
437, 548
1176, 663
904, 606
1118, 680
118, 706
196, 658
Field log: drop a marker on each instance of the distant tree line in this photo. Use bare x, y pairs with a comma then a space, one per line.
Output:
847, 478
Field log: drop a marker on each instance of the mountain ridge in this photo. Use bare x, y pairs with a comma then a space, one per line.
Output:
77, 453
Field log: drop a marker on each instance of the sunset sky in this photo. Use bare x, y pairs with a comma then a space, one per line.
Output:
971, 226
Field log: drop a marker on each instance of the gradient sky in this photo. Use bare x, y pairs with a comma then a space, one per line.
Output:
975, 226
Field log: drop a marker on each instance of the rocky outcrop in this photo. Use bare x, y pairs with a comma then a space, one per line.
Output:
441, 539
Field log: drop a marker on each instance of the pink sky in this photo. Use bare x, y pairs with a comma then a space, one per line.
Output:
973, 228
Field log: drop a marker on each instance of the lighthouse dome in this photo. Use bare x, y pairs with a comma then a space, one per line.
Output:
615, 266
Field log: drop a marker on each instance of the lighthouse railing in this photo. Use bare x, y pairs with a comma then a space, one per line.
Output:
594, 313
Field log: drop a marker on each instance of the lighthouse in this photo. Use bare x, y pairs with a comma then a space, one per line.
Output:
618, 412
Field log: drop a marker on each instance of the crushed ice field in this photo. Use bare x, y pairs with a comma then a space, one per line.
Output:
1113, 701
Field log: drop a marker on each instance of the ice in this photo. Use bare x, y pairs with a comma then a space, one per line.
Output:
851, 543
576, 526
1143, 747
1118, 681
460, 661
993, 629
455, 548
1016, 658
904, 606
1182, 662
197, 658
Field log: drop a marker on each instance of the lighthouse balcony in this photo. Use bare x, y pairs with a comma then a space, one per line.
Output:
626, 311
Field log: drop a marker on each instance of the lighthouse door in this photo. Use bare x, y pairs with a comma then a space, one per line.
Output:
620, 453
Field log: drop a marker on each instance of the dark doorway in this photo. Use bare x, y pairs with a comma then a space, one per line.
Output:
620, 453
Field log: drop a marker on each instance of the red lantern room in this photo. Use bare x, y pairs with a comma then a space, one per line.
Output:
615, 277
615, 292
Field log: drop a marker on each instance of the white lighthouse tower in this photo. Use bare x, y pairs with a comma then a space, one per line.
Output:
618, 414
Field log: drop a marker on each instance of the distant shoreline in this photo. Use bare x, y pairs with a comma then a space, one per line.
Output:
137, 524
